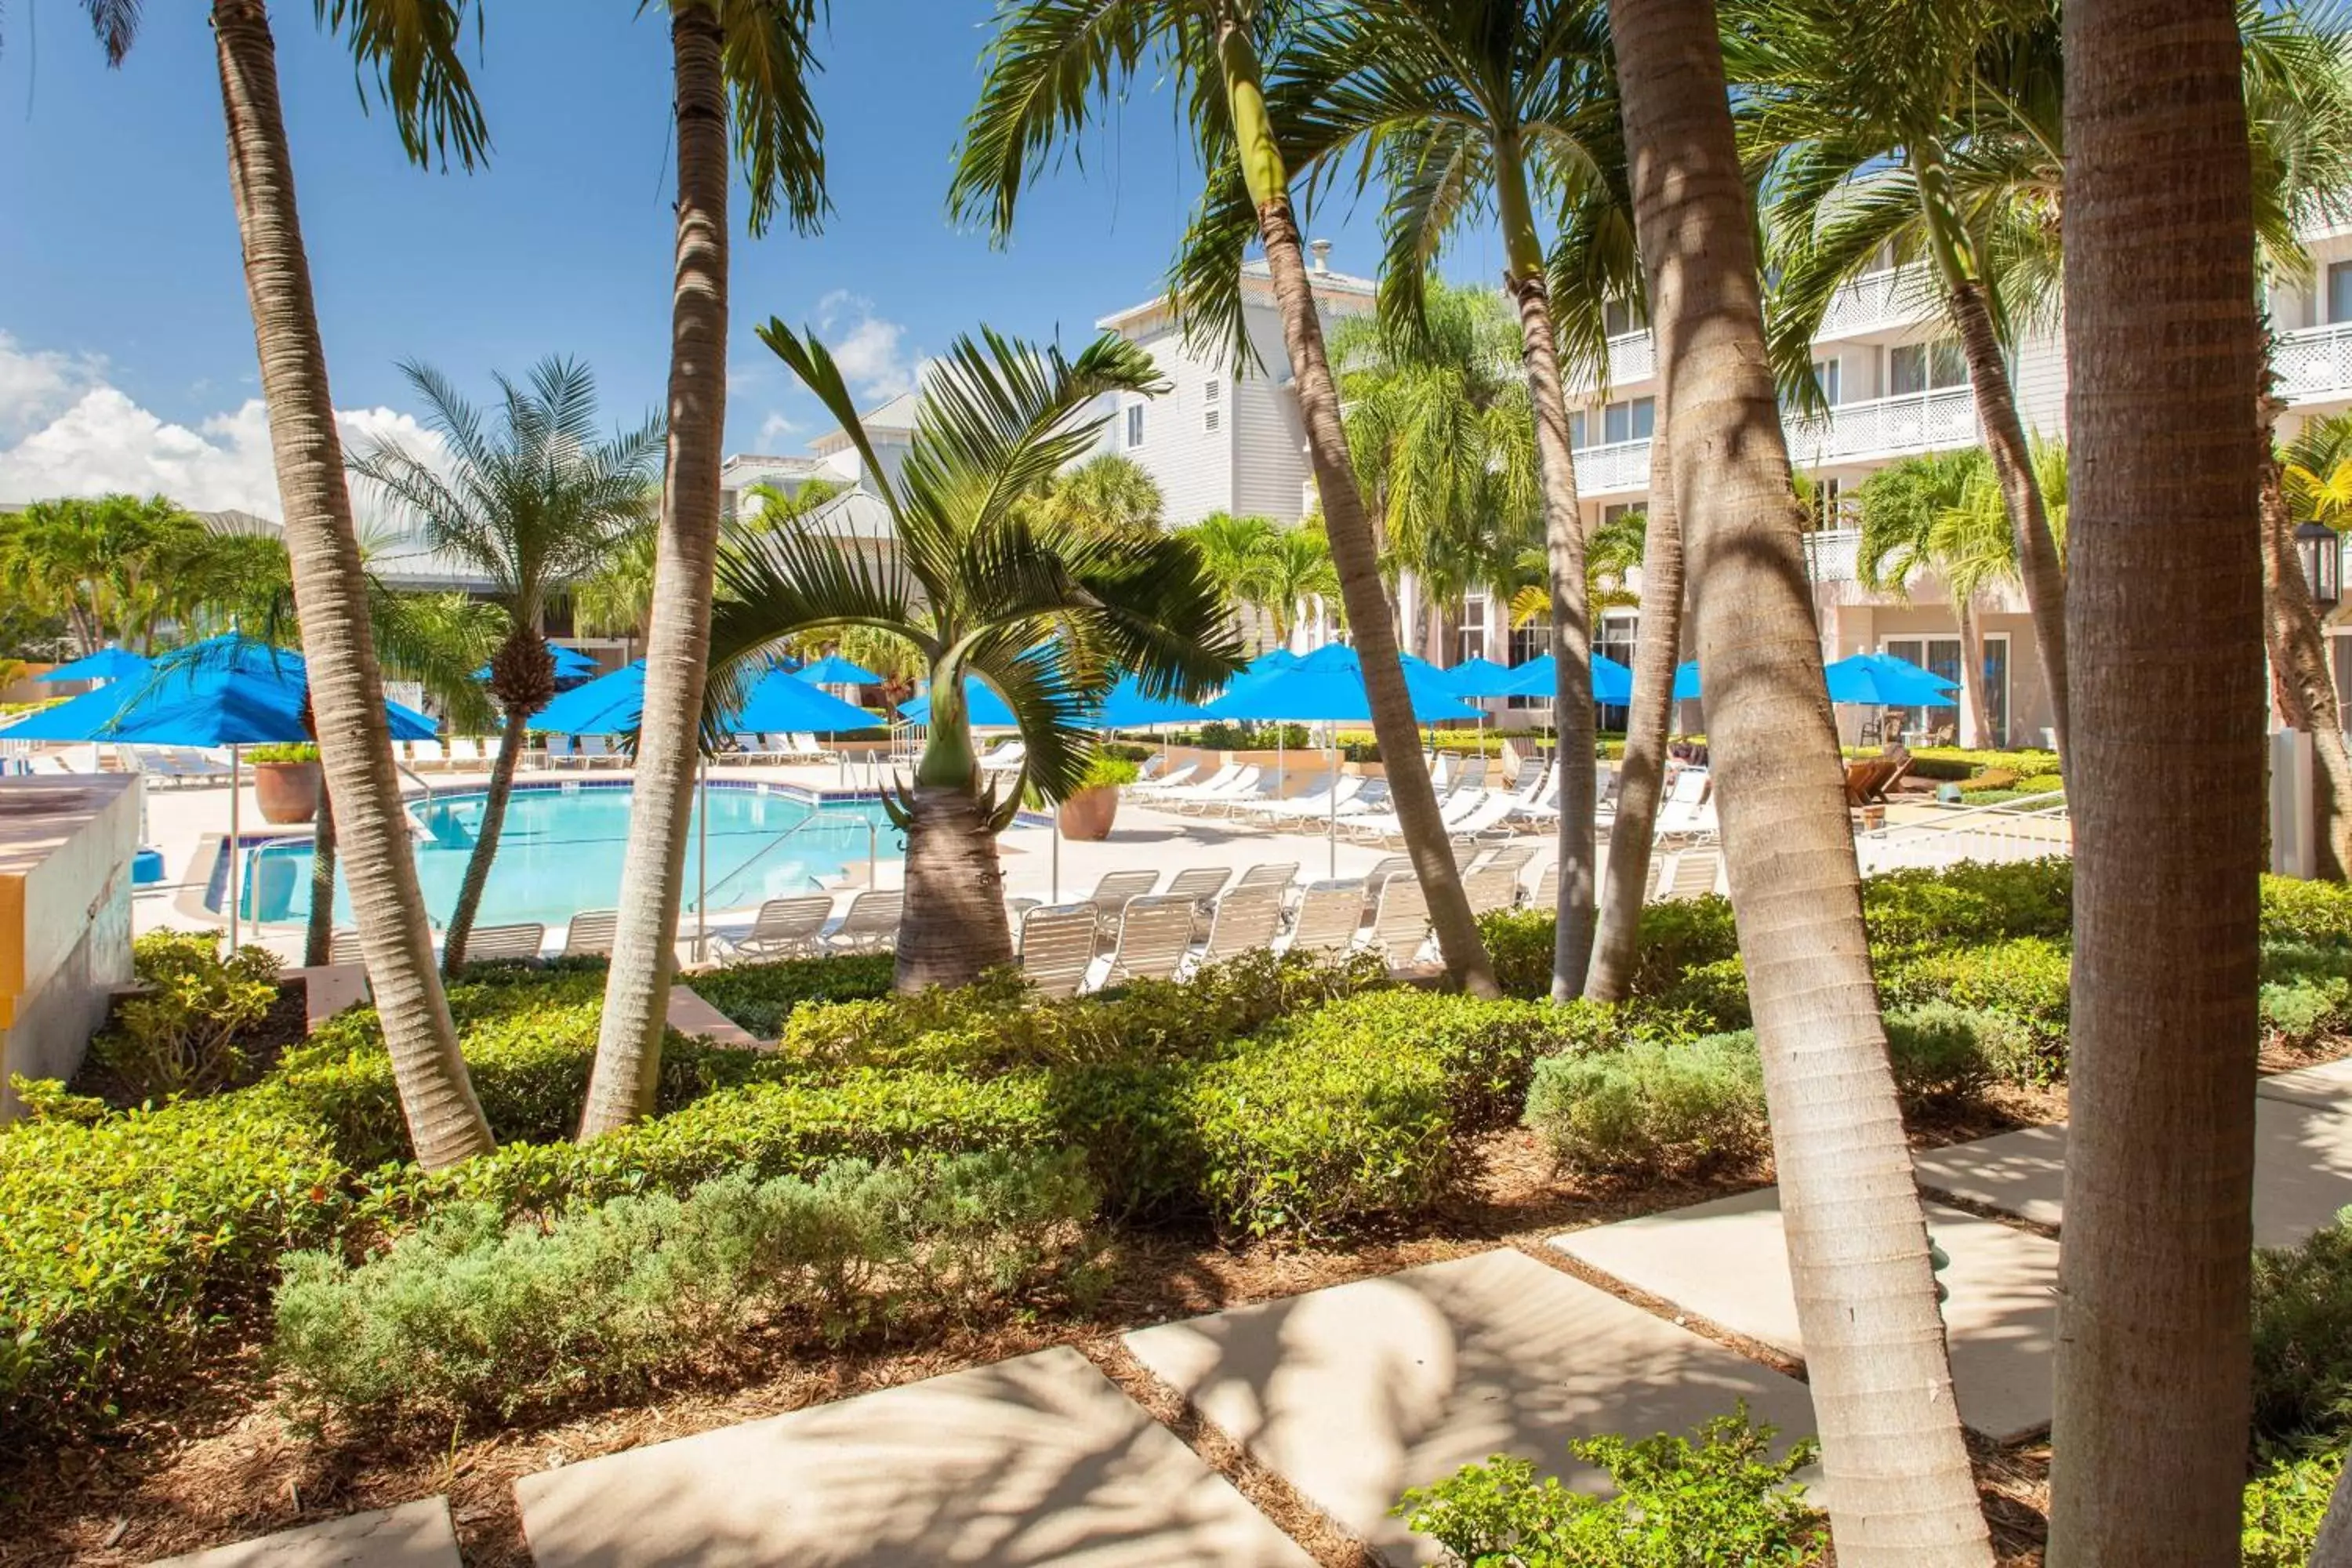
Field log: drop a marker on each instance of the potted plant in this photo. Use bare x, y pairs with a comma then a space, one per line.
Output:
285, 782
1087, 814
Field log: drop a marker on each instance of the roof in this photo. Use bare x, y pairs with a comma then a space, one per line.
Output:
856, 513
410, 563
1331, 288
749, 468
893, 416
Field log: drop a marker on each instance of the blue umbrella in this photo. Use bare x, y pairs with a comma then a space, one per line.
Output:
1612, 683
983, 708
572, 665
1686, 680
1328, 685
1479, 678
604, 706
226, 692
834, 670
106, 664
1882, 680
785, 700
1126, 706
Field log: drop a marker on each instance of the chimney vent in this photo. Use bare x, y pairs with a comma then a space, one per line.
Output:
1322, 249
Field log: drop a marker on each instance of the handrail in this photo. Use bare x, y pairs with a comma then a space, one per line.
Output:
1947, 823
812, 819
408, 773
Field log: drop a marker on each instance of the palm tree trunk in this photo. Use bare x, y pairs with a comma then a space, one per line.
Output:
2301, 681
1571, 625
346, 687
2164, 359
677, 644
2038, 567
954, 922
460, 929
319, 934
1353, 550
1900, 1490
1973, 728
1640, 779
2332, 1549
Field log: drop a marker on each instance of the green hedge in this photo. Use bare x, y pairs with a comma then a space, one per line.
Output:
1957, 764
760, 996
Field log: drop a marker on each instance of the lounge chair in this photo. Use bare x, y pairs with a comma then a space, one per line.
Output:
1686, 812
1201, 884
1165, 796
1112, 894
1401, 924
752, 748
593, 751
1057, 947
519, 940
46, 766
1200, 801
1382, 869
591, 932
1488, 817
871, 921
1247, 918
1155, 933
1690, 873
1329, 913
807, 746
784, 927
560, 751
1266, 791
1547, 893
1154, 766
428, 754
343, 947
1007, 756
466, 749
1491, 888
1272, 874
1176, 777
1511, 857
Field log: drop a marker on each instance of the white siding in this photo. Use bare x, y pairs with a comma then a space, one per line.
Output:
1270, 469
2038, 372
1193, 466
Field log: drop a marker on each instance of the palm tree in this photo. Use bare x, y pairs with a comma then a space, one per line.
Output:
1053, 63
1919, 136
2312, 481
757, 52
1045, 612
1228, 547
1900, 1490
1472, 111
1110, 493
778, 505
533, 501
1904, 510
1288, 570
2164, 358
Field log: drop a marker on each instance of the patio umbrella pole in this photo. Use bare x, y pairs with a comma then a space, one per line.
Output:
236, 793
702, 857
1331, 831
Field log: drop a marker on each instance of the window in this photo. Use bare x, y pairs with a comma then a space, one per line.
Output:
1925, 367
1474, 628
1576, 429
1135, 424
1530, 641
1210, 419
1619, 511
1825, 376
1631, 420
1825, 497
1615, 636
1622, 317
2339, 291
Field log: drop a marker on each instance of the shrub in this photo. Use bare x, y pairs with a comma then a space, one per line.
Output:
2025, 981
1914, 910
283, 752
2306, 990
471, 1315
2314, 911
1712, 997
2284, 1504
760, 996
1951, 762
179, 1036
1651, 1107
2302, 1338
120, 1234
1677, 1503
1520, 945
1943, 1052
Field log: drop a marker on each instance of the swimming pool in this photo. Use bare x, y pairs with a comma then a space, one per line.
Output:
560, 852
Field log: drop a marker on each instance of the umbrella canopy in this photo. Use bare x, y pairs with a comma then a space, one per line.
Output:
1882, 680
226, 691
1328, 685
106, 664
1479, 678
784, 700
604, 706
1124, 705
983, 708
834, 670
1612, 683
572, 665
1686, 680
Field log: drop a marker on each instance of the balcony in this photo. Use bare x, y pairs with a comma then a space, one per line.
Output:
1829, 554
1620, 468
1631, 357
2315, 364
1885, 427
1880, 301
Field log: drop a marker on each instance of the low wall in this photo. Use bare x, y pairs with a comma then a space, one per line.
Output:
66, 847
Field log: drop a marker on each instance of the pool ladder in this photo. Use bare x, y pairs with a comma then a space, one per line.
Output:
873, 853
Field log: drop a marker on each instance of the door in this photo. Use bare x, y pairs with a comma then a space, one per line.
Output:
1938, 656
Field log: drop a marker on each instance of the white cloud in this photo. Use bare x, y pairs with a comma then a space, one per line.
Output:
774, 428
868, 349
76, 434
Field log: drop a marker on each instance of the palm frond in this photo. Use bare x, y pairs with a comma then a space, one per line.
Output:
770, 58
407, 55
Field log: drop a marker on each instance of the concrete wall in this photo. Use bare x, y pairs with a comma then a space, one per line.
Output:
65, 918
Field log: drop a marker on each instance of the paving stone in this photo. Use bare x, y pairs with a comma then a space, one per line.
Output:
2327, 1086
414, 1535
1361, 1391
2302, 1170
1728, 1261
690, 1015
1032, 1461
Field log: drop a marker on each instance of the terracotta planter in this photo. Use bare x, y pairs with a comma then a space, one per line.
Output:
1086, 816
289, 791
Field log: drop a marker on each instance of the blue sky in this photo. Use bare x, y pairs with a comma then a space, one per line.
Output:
123, 333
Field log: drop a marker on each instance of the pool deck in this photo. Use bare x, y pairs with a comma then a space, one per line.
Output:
185, 823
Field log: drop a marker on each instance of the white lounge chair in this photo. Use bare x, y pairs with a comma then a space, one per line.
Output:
1112, 894
1401, 924
1155, 933
1175, 777
1328, 800
343, 947
808, 746
1491, 888
1686, 812
1547, 893
871, 921
1200, 803
591, 932
1247, 918
560, 751
428, 754
1690, 873
1272, 874
1329, 914
594, 750
465, 750
1165, 796
784, 927
1007, 756
1057, 947
519, 940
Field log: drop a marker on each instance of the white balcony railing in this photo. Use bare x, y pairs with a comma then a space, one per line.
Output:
1633, 357
1617, 469
1875, 301
1885, 426
1830, 554
2315, 362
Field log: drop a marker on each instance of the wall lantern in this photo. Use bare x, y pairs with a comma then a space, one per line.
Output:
2321, 551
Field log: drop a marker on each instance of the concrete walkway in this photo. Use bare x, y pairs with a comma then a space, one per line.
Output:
1349, 1394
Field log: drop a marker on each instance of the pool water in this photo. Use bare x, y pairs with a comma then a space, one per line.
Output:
561, 853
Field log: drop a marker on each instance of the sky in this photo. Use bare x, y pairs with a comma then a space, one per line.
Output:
126, 352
